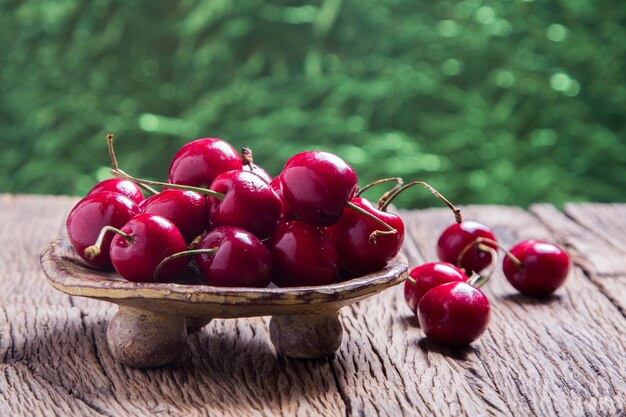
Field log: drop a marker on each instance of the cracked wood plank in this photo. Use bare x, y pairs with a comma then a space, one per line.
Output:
561, 356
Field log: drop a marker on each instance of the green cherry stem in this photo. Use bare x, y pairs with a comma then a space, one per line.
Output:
95, 249
456, 211
210, 251
477, 280
122, 174
399, 182
116, 167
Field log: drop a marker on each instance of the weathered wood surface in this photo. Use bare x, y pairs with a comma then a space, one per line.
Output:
563, 356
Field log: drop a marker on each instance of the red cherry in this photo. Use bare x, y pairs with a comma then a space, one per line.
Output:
120, 186
240, 259
275, 184
186, 209
249, 165
199, 162
358, 254
90, 215
317, 185
456, 238
249, 203
149, 239
302, 256
454, 313
544, 267
427, 276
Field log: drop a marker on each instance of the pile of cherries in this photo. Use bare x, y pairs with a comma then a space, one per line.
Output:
222, 220
450, 307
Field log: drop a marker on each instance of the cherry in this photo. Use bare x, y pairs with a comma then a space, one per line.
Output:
198, 163
239, 259
186, 209
90, 215
302, 256
454, 313
362, 244
456, 246
141, 245
249, 203
249, 165
121, 186
425, 277
275, 184
536, 268
317, 185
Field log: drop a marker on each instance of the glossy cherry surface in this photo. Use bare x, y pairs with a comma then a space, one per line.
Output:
152, 239
357, 254
302, 256
249, 203
428, 276
186, 209
241, 260
544, 267
199, 162
317, 185
454, 313
457, 237
118, 185
255, 169
288, 213
90, 215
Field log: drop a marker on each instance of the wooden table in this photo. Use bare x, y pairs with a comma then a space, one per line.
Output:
563, 356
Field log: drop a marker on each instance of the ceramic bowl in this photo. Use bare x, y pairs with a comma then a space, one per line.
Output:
153, 319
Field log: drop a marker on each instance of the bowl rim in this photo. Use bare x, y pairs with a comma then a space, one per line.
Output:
69, 275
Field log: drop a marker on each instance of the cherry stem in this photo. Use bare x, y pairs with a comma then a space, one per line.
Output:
210, 251
95, 249
477, 280
117, 168
372, 238
246, 157
479, 243
411, 280
456, 211
399, 182
122, 174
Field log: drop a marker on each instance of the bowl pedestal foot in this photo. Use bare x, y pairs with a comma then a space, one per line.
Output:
306, 336
143, 339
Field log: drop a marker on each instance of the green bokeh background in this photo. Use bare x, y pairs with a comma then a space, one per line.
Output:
507, 102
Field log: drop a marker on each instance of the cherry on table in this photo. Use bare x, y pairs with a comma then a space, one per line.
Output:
454, 313
536, 268
302, 256
118, 185
427, 276
186, 209
317, 186
362, 244
90, 215
199, 162
456, 246
239, 259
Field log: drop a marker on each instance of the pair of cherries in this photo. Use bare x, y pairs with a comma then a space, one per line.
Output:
451, 309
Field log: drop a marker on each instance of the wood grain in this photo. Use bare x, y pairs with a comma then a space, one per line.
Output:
563, 356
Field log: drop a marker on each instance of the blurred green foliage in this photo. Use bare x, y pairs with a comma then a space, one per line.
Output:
506, 101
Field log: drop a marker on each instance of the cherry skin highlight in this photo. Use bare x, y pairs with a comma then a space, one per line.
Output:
317, 185
186, 209
90, 215
152, 239
454, 313
240, 260
429, 276
544, 268
351, 237
249, 203
121, 186
302, 256
457, 237
199, 162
